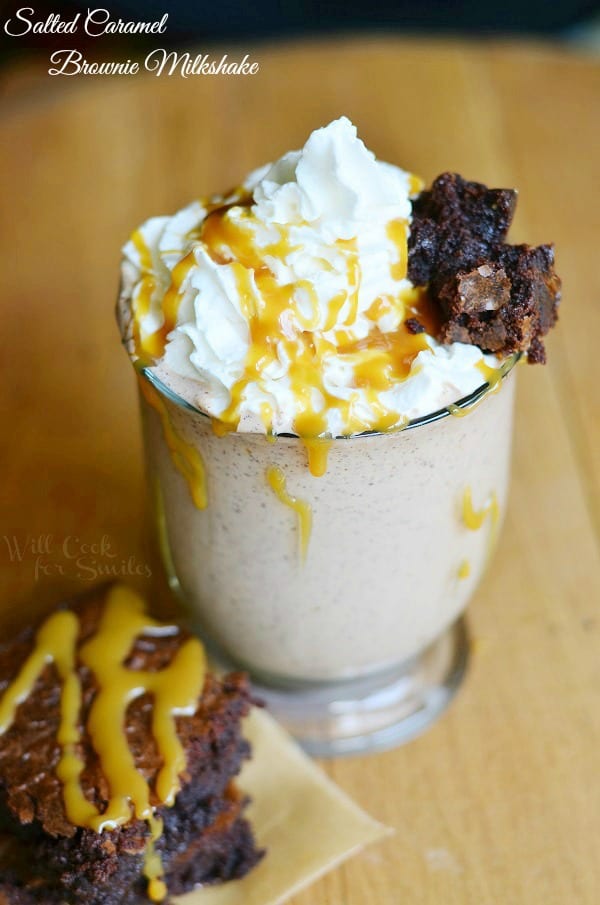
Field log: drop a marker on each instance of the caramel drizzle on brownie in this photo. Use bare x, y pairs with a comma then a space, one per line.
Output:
56, 642
175, 690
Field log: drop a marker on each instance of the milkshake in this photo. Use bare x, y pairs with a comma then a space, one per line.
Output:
326, 365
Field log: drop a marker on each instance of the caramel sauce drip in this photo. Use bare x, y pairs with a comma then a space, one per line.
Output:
457, 412
415, 185
381, 358
172, 297
421, 306
475, 518
175, 691
464, 570
153, 866
276, 480
149, 347
317, 451
56, 643
157, 889
493, 377
186, 458
397, 231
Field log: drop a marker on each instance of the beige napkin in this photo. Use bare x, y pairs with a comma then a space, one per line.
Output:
305, 822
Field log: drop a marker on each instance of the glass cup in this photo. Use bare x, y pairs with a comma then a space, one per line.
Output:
342, 595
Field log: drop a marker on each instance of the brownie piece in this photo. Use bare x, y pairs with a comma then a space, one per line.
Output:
223, 850
502, 298
205, 839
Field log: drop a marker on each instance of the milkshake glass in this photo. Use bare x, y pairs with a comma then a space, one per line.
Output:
326, 359
342, 594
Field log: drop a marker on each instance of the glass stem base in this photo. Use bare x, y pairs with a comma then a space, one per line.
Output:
376, 712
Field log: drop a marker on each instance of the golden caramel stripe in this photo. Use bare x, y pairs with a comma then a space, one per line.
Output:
398, 233
172, 297
493, 377
457, 412
145, 348
245, 287
175, 694
277, 482
186, 458
157, 888
141, 246
153, 866
474, 518
311, 322
464, 570
354, 280
175, 690
415, 184
317, 451
56, 642
56, 633
335, 306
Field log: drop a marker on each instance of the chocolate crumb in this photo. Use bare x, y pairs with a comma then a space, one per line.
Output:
414, 326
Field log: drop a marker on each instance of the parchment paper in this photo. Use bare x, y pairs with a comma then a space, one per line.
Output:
307, 824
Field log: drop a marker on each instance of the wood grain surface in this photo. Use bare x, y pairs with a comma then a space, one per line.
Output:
500, 802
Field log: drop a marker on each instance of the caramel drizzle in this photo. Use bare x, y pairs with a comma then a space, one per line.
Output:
464, 570
153, 866
147, 347
186, 458
317, 451
397, 231
475, 518
175, 691
265, 301
493, 377
56, 643
415, 185
379, 361
277, 482
151, 346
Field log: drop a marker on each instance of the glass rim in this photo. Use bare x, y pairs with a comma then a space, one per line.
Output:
466, 402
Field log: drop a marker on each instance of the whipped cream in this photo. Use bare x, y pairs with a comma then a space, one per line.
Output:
281, 307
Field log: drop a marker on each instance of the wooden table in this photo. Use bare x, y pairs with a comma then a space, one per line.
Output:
500, 802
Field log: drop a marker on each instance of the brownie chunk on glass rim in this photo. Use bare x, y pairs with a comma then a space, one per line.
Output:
502, 298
